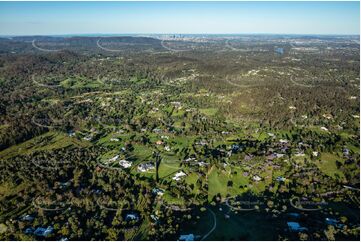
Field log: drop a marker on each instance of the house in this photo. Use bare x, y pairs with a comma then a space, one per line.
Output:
327, 116
331, 221
186, 237
158, 191
324, 128
114, 158
64, 185
190, 159
29, 231
159, 142
131, 217
346, 152
202, 143
315, 153
156, 130
279, 155
43, 231
334, 222
256, 178
154, 217
177, 104
202, 163
280, 179
271, 156
88, 138
235, 148
179, 175
27, 218
71, 133
167, 148
125, 163
299, 154
146, 167
296, 227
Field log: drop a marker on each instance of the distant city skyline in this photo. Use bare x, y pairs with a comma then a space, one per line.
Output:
76, 18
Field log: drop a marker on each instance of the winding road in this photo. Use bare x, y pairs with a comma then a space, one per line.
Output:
106, 49
214, 225
41, 49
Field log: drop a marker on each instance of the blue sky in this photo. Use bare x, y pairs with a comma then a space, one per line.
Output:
27, 18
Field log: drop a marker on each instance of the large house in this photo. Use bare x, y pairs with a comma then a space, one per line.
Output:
179, 175
44, 232
146, 167
125, 163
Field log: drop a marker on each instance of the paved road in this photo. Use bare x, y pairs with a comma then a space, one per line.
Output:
214, 225
37, 47
106, 49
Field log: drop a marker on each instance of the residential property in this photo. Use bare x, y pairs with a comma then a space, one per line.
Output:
125, 163
146, 167
114, 158
71, 133
334, 222
158, 191
179, 175
324, 128
256, 178
27, 218
131, 217
280, 179
44, 232
159, 142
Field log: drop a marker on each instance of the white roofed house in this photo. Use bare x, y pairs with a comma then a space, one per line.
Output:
256, 178
324, 128
179, 175
125, 163
146, 167
114, 158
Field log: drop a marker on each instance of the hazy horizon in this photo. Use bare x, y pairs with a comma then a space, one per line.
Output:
116, 18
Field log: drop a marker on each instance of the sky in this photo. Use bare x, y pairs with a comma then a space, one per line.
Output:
58, 18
